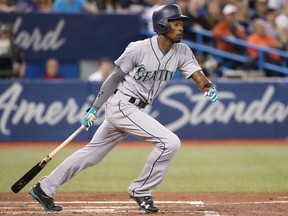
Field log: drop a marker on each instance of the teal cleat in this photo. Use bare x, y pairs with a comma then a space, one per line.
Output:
47, 202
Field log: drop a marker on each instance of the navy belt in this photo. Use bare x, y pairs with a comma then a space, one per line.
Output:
141, 104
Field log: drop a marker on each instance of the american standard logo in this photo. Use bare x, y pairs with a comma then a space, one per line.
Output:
38, 41
15, 110
192, 110
142, 75
265, 109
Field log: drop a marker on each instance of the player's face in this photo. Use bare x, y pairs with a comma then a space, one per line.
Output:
175, 32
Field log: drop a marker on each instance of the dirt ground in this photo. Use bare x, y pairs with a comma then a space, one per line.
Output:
204, 204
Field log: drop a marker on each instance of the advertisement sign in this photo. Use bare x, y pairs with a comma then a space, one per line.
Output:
47, 111
72, 36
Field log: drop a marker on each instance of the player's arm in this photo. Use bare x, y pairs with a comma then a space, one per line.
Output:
106, 90
108, 87
205, 85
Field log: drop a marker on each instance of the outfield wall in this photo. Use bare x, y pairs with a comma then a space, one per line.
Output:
38, 110
72, 36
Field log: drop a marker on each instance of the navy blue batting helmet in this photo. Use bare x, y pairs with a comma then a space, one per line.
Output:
165, 13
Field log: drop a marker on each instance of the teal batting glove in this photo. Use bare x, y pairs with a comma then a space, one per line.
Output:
212, 93
90, 118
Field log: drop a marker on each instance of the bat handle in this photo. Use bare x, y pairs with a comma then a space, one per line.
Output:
63, 144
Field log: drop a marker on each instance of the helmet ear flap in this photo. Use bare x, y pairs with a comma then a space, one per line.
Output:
163, 27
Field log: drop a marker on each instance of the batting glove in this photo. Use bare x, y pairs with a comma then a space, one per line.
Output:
90, 118
212, 93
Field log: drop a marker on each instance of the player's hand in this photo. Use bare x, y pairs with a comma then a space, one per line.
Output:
90, 118
211, 93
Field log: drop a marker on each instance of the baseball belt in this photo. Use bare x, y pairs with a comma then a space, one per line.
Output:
136, 101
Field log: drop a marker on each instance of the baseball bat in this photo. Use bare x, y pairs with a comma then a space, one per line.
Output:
25, 179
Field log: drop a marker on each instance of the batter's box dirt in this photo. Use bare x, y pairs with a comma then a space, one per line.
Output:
204, 204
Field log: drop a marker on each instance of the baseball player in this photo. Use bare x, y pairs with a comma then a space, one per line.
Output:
141, 72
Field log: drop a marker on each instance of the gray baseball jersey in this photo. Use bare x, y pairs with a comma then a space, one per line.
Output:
147, 71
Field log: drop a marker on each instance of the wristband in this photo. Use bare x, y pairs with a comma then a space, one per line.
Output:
207, 86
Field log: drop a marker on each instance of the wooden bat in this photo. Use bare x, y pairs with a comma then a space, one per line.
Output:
25, 179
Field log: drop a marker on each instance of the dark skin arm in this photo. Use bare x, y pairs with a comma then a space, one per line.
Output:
200, 79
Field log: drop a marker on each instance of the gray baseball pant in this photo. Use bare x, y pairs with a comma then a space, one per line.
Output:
121, 118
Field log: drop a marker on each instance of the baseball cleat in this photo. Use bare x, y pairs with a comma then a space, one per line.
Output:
47, 202
145, 203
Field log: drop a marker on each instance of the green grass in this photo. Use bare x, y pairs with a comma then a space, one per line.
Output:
194, 169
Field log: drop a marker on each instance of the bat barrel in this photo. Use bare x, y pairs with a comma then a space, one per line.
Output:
24, 180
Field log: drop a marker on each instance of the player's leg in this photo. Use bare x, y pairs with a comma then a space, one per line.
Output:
104, 140
143, 126
166, 146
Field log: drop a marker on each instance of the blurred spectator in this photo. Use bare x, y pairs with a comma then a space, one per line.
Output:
282, 18
223, 3
12, 62
231, 29
260, 9
282, 26
44, 6
208, 64
109, 6
106, 67
25, 6
147, 15
132, 6
261, 38
243, 16
52, 69
196, 19
183, 4
283, 37
74, 6
228, 28
270, 23
276, 4
213, 13
7, 6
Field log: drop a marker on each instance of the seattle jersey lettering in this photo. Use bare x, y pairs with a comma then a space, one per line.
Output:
142, 75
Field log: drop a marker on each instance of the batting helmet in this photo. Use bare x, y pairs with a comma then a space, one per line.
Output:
165, 13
